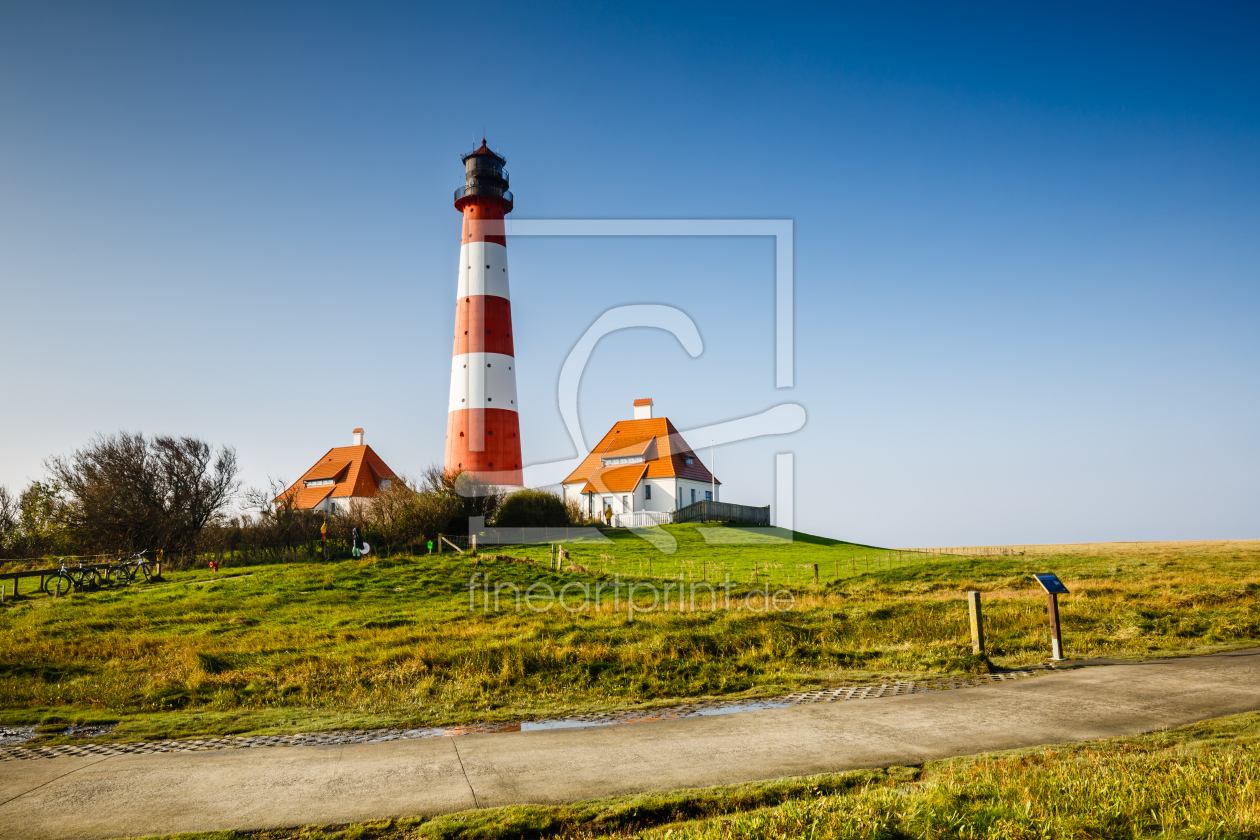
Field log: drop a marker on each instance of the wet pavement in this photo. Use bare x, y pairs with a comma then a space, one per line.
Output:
12, 738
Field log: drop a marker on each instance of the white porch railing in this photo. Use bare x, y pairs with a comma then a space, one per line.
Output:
642, 518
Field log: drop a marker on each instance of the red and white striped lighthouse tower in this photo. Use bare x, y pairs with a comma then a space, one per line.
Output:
483, 435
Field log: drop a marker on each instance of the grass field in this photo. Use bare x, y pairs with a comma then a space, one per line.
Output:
372, 642
1199, 781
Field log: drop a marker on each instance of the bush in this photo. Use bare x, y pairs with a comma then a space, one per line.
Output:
532, 509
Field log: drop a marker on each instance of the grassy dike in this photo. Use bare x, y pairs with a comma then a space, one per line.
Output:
371, 643
1198, 781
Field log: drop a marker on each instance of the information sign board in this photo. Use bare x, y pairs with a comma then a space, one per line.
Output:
1051, 584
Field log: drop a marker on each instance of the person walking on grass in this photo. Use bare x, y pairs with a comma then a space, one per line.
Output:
359, 546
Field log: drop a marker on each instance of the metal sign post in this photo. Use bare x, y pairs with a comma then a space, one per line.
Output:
1054, 588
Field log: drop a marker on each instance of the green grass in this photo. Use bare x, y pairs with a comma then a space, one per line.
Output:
373, 643
1199, 781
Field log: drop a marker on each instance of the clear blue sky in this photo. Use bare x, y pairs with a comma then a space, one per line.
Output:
1027, 261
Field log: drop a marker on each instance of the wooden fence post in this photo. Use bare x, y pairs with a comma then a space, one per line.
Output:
977, 622
815, 573
1056, 640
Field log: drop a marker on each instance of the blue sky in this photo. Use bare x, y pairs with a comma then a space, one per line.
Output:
1027, 263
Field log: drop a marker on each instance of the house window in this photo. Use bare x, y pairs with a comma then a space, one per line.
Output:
625, 503
386, 483
708, 495
693, 495
318, 482
647, 492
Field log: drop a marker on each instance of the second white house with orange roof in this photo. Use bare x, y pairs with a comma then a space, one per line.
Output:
641, 465
342, 478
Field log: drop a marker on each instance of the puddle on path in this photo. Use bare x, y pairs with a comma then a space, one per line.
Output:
11, 738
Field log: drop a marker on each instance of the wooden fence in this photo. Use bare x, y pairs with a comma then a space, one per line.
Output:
705, 511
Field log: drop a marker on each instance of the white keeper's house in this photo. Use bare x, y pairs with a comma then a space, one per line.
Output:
641, 466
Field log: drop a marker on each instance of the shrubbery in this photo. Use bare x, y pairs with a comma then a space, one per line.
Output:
532, 509
127, 492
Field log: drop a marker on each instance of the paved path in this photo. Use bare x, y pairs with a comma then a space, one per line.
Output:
129, 795
18, 735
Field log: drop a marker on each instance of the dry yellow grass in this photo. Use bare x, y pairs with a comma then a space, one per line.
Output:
1131, 549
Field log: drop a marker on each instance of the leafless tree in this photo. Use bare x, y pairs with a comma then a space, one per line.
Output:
280, 521
128, 492
8, 514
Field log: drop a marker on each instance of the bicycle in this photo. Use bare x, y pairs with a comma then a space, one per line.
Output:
127, 570
84, 577
113, 573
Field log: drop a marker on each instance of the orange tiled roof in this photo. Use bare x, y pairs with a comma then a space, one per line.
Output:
326, 469
671, 451
647, 401
357, 471
308, 497
643, 448
618, 479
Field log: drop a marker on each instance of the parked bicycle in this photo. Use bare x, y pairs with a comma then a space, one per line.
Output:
135, 565
67, 578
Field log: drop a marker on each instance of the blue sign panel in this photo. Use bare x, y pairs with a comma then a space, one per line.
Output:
1051, 584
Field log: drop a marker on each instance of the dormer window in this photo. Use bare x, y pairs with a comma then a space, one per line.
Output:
689, 460
386, 483
629, 459
319, 482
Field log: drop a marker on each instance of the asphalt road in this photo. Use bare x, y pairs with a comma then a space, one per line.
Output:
131, 795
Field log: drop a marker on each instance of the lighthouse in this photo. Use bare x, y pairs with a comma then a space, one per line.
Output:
483, 435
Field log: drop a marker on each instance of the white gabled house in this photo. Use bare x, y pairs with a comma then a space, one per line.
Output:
641, 465
343, 477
